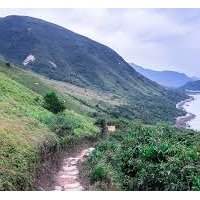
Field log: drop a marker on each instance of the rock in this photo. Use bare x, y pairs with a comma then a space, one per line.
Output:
74, 172
91, 149
72, 185
80, 188
58, 188
71, 168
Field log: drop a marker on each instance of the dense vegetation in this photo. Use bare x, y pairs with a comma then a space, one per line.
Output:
151, 109
28, 132
53, 103
67, 56
147, 158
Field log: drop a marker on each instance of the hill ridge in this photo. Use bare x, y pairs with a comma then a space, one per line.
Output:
63, 55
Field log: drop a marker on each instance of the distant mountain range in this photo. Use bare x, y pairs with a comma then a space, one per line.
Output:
165, 78
193, 85
63, 55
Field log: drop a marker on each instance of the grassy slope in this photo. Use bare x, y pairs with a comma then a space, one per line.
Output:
25, 128
79, 99
34, 82
21, 133
25, 125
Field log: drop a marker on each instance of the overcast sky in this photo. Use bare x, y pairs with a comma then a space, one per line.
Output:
161, 39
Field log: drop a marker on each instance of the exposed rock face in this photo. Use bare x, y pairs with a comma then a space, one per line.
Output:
29, 59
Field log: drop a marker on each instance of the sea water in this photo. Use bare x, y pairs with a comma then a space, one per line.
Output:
194, 108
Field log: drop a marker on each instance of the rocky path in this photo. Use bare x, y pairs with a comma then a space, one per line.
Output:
67, 179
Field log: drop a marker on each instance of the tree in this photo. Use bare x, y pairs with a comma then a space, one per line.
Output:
103, 125
53, 103
8, 64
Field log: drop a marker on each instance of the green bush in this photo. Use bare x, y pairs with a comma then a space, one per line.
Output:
99, 173
53, 103
74, 124
149, 158
61, 126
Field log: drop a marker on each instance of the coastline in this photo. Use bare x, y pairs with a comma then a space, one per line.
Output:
182, 121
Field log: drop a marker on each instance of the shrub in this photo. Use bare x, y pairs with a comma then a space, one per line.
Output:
8, 64
99, 173
149, 158
70, 123
53, 103
61, 126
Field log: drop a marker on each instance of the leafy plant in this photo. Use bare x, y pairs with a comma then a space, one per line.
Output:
148, 158
53, 103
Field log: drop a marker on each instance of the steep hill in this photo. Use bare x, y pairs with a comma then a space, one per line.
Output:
60, 54
27, 134
165, 78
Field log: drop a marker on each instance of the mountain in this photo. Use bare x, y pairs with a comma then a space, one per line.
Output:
63, 55
192, 85
195, 78
165, 78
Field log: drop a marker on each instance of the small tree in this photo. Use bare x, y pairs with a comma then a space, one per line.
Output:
102, 123
8, 64
53, 104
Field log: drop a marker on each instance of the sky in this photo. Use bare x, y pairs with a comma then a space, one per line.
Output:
159, 39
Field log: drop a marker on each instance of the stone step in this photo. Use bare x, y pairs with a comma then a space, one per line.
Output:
75, 189
67, 177
71, 168
71, 173
71, 158
64, 181
58, 188
72, 185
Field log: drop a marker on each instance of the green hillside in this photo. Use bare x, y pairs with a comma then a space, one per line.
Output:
27, 130
66, 56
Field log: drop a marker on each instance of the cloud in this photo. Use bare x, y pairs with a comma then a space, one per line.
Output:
155, 38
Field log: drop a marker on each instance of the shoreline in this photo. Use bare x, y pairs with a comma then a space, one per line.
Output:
182, 121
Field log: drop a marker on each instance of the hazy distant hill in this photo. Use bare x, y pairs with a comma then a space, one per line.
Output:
63, 55
193, 85
165, 78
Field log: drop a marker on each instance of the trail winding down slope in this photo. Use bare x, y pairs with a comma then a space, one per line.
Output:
67, 179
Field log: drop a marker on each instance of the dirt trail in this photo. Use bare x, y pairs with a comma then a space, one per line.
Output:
67, 178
